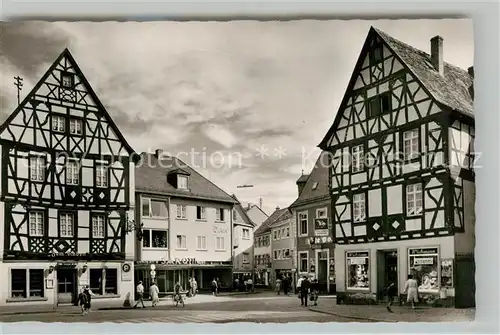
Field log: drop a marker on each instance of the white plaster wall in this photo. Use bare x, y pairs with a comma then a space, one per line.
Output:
191, 228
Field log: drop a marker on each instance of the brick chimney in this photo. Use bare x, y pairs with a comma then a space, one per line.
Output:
471, 87
158, 153
471, 71
277, 208
437, 54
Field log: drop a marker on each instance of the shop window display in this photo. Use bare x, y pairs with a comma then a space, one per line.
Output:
358, 271
424, 267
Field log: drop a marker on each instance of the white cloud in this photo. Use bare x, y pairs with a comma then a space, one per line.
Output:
219, 134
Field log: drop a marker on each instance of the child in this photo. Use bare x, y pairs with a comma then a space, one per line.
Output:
391, 293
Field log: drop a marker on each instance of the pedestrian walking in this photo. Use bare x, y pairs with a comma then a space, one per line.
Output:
278, 286
250, 285
218, 286
194, 285
391, 292
154, 292
84, 299
214, 287
315, 291
304, 291
286, 284
140, 294
411, 289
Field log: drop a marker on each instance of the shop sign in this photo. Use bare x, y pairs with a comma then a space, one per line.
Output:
423, 261
220, 230
357, 260
66, 264
320, 240
175, 261
357, 254
424, 251
321, 227
127, 275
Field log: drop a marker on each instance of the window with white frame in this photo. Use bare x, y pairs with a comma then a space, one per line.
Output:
287, 231
279, 254
201, 243
410, 144
154, 208
67, 80
181, 211
286, 253
72, 173
246, 233
26, 283
181, 242
37, 168
58, 123
358, 270
358, 163
66, 224
414, 205
235, 215
101, 176
303, 262
359, 207
219, 214
219, 243
182, 182
275, 235
303, 223
246, 258
98, 226
75, 126
154, 238
275, 254
201, 213
279, 234
36, 223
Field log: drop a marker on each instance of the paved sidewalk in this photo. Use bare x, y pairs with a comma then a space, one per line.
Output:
165, 302
379, 313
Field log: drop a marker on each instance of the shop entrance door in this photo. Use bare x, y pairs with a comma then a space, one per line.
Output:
387, 271
323, 271
66, 286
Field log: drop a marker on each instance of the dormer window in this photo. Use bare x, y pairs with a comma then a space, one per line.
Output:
182, 182
376, 53
315, 185
67, 80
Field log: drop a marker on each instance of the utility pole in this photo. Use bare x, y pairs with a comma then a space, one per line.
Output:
19, 84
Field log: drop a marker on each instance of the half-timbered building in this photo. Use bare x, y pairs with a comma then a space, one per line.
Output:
312, 213
402, 174
66, 192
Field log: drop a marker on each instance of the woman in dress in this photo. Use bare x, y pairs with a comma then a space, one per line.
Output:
154, 291
411, 289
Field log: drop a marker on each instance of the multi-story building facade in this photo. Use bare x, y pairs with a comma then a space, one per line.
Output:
67, 190
282, 246
263, 252
186, 225
243, 257
402, 177
312, 211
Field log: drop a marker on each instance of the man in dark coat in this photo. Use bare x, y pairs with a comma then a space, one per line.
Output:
304, 291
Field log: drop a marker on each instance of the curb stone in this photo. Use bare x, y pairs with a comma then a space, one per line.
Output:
351, 316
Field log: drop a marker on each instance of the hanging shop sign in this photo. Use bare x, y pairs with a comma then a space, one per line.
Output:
321, 227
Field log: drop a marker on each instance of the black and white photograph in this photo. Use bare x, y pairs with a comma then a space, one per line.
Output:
238, 171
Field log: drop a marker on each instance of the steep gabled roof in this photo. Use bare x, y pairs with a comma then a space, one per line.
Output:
151, 177
239, 208
255, 206
67, 57
266, 225
450, 89
286, 215
318, 178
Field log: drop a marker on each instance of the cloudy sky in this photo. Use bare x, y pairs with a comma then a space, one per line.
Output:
219, 89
